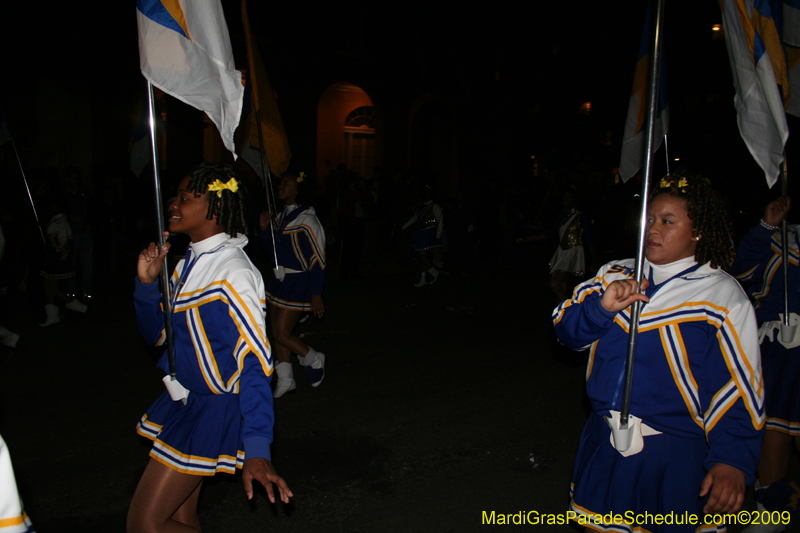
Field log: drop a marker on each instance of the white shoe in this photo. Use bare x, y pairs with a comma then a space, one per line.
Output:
315, 371
8, 338
285, 381
282, 386
52, 315
301, 360
422, 282
76, 305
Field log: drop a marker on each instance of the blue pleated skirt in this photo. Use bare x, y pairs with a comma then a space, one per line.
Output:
200, 438
664, 477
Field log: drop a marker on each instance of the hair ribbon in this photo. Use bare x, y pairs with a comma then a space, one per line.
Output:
218, 186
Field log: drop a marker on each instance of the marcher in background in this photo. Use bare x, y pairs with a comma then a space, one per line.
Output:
58, 265
217, 415
574, 232
297, 284
697, 399
429, 220
759, 259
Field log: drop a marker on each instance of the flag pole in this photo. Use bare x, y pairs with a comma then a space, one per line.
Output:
652, 101
28, 189
165, 292
666, 152
267, 178
785, 245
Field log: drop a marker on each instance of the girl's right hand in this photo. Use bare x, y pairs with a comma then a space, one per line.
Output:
622, 293
776, 210
150, 262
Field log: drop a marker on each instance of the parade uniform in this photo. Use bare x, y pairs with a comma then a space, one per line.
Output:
697, 395
759, 259
58, 263
13, 518
573, 232
300, 247
222, 357
430, 224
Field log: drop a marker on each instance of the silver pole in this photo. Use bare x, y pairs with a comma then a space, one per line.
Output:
165, 292
785, 246
652, 103
666, 152
267, 178
30, 197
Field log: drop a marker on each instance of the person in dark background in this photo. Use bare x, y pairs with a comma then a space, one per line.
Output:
574, 232
58, 265
297, 283
759, 260
429, 222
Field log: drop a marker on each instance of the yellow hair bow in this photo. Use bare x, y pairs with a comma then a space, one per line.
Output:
301, 177
218, 186
667, 182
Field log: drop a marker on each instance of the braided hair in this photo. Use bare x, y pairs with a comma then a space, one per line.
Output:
708, 215
229, 208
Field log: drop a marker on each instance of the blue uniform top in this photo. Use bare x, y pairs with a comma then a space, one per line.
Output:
219, 331
299, 244
759, 260
697, 371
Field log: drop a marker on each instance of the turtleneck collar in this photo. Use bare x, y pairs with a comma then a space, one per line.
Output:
662, 273
208, 244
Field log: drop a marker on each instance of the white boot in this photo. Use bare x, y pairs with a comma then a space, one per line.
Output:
76, 305
9, 338
52, 315
314, 366
285, 382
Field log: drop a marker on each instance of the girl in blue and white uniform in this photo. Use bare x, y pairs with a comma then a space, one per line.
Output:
759, 260
697, 402
222, 359
297, 284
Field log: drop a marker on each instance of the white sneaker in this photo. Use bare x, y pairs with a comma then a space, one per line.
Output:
285, 381
315, 372
76, 305
282, 386
52, 315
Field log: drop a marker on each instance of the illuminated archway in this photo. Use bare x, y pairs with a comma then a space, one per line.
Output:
345, 130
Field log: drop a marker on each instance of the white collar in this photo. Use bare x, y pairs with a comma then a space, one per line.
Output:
662, 273
208, 244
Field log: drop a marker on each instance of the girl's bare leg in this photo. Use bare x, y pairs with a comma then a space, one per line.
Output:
165, 501
283, 322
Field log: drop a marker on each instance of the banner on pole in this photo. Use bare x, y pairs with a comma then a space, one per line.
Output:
754, 46
185, 50
276, 144
634, 139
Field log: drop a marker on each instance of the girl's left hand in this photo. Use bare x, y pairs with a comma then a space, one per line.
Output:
261, 470
726, 485
317, 307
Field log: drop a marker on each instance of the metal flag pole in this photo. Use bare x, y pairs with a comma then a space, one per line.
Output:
28, 189
785, 246
165, 292
666, 152
267, 178
652, 102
